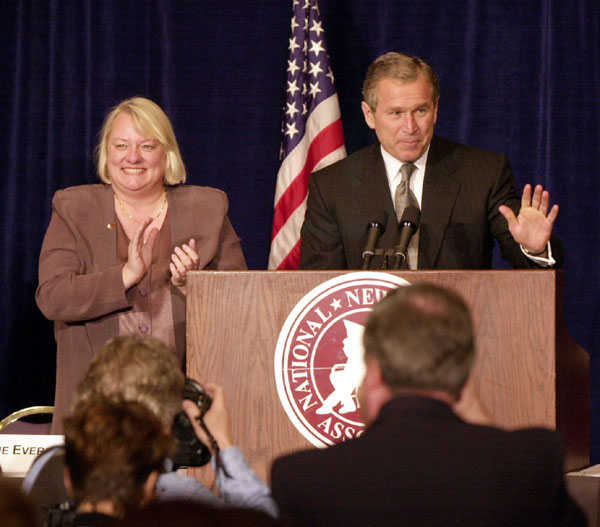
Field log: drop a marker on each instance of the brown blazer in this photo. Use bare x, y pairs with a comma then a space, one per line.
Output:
80, 281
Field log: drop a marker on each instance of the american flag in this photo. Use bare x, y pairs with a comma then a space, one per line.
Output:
312, 135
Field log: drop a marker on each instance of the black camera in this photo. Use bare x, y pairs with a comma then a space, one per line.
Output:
190, 451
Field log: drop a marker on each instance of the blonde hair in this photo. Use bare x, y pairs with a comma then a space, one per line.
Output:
135, 368
148, 120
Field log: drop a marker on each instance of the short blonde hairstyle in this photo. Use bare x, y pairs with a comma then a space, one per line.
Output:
150, 121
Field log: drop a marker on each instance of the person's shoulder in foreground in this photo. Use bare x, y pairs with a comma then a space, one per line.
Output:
482, 476
428, 455
190, 514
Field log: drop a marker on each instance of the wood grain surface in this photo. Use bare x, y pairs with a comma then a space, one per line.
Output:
525, 361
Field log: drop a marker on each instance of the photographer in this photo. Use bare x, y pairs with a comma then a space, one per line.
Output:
114, 453
142, 369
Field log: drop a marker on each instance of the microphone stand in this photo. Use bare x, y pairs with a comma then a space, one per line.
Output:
399, 259
374, 231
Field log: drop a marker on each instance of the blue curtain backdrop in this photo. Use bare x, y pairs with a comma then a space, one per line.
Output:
520, 77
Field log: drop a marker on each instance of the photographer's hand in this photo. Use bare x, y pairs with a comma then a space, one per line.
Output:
216, 419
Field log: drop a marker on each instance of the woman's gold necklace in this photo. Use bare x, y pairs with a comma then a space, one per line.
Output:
122, 207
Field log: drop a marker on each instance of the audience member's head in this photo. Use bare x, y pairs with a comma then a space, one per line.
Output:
418, 338
16, 510
114, 452
135, 368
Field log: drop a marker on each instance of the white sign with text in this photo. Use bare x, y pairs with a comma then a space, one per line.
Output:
17, 451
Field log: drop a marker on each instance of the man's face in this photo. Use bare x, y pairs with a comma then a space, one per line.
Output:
404, 118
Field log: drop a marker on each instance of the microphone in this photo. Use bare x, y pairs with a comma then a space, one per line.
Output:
375, 229
409, 223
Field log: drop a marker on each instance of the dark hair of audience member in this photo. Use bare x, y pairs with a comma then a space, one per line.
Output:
16, 510
111, 449
422, 337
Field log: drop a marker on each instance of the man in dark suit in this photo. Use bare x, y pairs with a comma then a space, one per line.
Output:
466, 195
418, 462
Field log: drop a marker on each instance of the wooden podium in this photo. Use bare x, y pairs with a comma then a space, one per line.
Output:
529, 372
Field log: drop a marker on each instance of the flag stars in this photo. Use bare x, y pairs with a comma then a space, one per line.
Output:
293, 67
293, 44
314, 89
292, 87
291, 109
316, 27
315, 69
330, 75
291, 130
294, 24
316, 47
308, 86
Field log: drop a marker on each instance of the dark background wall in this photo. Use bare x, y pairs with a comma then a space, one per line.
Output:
519, 77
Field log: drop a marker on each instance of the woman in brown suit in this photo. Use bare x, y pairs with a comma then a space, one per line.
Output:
115, 255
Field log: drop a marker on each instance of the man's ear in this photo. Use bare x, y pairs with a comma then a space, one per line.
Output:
373, 376
67, 481
374, 393
368, 113
149, 488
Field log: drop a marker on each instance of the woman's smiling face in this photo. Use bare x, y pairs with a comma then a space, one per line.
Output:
135, 163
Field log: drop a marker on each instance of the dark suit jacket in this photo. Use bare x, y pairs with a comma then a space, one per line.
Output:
418, 464
462, 190
80, 281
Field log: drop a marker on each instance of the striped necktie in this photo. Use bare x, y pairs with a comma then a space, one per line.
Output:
402, 198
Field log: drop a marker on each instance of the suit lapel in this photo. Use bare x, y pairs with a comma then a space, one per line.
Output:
104, 232
440, 190
106, 229
180, 230
180, 234
373, 195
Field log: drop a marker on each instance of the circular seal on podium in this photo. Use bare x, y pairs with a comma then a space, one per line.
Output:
319, 355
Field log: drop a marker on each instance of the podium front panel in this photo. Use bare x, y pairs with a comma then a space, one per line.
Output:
234, 319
